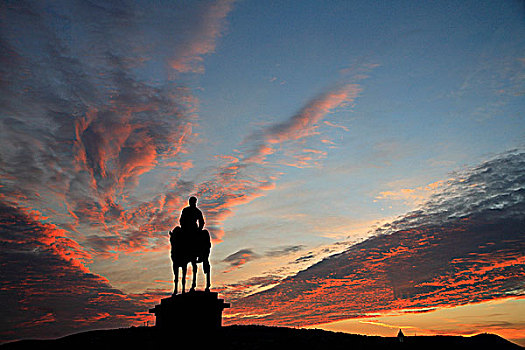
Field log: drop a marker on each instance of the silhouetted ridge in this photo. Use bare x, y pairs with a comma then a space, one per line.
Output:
258, 337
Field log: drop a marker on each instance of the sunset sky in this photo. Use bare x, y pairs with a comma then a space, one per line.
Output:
360, 164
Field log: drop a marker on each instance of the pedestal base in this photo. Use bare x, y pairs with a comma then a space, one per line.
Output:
196, 309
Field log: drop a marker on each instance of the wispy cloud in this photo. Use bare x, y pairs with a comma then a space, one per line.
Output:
248, 174
462, 246
336, 125
283, 251
302, 124
189, 55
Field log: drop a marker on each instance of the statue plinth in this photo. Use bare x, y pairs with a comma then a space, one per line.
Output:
193, 309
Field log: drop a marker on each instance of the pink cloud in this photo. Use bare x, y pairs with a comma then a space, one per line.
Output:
239, 181
304, 122
336, 125
189, 56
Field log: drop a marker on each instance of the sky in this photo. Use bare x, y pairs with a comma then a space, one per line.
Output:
360, 164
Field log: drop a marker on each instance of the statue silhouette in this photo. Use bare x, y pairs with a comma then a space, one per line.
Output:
190, 243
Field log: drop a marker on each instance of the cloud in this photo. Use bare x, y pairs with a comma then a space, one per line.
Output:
239, 258
249, 174
238, 290
412, 196
202, 41
283, 251
47, 291
336, 125
85, 125
235, 291
94, 114
304, 258
90, 111
303, 123
464, 245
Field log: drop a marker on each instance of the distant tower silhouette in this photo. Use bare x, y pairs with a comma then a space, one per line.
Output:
400, 336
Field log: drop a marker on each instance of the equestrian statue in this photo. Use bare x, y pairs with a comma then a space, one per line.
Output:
190, 244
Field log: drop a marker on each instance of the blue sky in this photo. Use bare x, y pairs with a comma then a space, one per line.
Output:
440, 90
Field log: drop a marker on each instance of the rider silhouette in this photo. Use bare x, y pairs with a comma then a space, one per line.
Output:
190, 216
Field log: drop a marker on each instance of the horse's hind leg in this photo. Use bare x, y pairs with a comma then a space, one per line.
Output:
206, 268
176, 281
184, 279
194, 270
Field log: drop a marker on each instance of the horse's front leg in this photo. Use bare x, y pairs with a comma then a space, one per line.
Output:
194, 281
176, 281
184, 267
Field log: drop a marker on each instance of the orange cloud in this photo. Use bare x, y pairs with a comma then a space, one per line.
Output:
48, 290
413, 196
448, 253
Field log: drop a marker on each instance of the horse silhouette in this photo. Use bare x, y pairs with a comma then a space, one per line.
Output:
190, 247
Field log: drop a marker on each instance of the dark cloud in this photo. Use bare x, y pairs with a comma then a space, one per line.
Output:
304, 258
465, 245
234, 291
46, 290
240, 258
283, 251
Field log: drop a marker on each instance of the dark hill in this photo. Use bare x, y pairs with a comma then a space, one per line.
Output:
256, 337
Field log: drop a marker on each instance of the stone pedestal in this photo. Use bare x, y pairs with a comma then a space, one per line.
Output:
190, 310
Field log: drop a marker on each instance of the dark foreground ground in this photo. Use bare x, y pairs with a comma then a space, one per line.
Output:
254, 337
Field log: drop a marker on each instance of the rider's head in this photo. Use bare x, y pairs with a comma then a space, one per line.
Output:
193, 201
